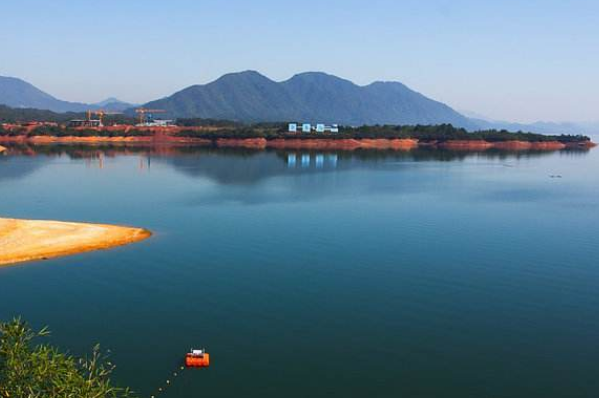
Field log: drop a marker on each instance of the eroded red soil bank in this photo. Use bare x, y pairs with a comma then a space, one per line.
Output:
316, 143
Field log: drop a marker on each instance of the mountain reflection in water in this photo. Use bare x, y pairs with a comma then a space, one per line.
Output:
247, 166
476, 270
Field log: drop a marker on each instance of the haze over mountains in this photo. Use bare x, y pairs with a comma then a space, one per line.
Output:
17, 93
586, 128
114, 104
312, 97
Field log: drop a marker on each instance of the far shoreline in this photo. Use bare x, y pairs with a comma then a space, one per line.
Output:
404, 144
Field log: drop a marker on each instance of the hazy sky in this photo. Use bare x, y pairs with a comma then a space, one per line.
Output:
515, 60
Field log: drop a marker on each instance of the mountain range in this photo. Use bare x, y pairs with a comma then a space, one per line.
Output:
17, 93
312, 97
316, 97
114, 105
585, 128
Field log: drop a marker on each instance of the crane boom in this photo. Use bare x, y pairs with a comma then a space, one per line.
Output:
100, 113
143, 111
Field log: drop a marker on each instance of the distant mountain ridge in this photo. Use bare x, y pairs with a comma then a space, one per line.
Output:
17, 93
313, 96
585, 128
113, 104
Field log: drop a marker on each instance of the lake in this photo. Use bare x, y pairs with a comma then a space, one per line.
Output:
306, 274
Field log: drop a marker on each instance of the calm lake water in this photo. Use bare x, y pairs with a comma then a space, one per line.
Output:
305, 274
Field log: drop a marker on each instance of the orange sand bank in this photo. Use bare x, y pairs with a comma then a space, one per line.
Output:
349, 144
343, 144
25, 240
2, 149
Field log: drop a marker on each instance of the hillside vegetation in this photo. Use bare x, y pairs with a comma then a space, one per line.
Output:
15, 115
252, 97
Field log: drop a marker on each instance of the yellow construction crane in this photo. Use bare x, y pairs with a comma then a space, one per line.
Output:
100, 113
143, 111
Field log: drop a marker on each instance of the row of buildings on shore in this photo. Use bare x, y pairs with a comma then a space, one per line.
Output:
89, 122
292, 127
312, 128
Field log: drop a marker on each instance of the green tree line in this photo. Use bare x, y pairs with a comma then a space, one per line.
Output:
424, 133
16, 115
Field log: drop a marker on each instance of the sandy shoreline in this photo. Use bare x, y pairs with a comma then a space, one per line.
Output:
29, 240
2, 149
321, 143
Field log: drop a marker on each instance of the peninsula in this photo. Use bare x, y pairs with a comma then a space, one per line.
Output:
28, 240
277, 135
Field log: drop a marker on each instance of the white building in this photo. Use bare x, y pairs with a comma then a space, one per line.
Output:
319, 128
157, 123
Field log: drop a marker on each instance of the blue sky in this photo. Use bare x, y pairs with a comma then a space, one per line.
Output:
512, 60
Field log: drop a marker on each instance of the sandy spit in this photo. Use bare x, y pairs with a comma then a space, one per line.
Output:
29, 240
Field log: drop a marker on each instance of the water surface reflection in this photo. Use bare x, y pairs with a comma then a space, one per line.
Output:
246, 166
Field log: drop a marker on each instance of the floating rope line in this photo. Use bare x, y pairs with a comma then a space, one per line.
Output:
168, 382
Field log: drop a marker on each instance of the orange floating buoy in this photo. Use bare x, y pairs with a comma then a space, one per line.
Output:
197, 359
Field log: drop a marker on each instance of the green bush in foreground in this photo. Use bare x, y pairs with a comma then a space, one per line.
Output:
32, 370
